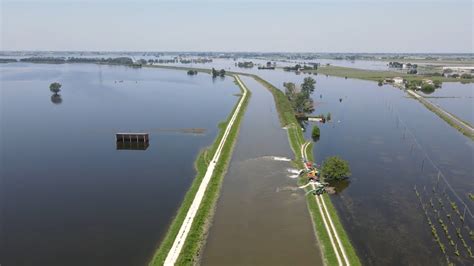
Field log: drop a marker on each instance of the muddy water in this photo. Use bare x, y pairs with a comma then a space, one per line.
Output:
261, 218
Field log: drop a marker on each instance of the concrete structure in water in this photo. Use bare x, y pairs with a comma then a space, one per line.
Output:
132, 141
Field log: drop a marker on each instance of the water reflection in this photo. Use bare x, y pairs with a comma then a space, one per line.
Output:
56, 98
132, 145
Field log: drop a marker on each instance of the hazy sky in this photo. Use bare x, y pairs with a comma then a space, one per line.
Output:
293, 26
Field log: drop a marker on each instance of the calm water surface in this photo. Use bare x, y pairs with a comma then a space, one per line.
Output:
67, 195
456, 98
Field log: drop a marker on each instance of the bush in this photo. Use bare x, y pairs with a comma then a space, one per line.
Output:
428, 88
335, 168
466, 76
315, 133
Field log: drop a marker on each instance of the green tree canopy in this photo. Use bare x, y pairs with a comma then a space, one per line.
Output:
55, 87
308, 85
315, 133
335, 168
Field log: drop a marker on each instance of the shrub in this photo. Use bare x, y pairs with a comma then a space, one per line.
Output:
315, 133
335, 168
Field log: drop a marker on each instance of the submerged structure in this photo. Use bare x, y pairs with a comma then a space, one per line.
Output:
132, 141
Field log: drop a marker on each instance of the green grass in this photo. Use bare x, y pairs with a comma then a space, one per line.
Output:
196, 237
375, 75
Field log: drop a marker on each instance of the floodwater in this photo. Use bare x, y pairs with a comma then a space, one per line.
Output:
393, 143
261, 217
456, 98
67, 195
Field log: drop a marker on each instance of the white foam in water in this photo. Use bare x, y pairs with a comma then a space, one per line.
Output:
293, 171
293, 176
276, 158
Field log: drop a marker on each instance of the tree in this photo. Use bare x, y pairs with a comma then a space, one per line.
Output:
335, 168
290, 90
315, 133
55, 87
222, 73
308, 85
427, 88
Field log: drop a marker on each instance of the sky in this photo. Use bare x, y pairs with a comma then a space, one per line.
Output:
441, 26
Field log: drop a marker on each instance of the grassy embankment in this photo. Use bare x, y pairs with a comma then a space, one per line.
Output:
376, 75
196, 237
296, 138
430, 106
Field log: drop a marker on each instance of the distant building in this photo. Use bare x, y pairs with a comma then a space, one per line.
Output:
398, 80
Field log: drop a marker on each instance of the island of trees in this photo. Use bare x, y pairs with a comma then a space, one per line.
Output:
218, 73
246, 64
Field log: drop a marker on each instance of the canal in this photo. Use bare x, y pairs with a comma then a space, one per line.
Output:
261, 217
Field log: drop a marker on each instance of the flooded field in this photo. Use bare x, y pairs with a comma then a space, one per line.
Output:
67, 195
261, 217
455, 98
393, 144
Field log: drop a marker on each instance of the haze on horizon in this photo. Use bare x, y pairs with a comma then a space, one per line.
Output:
442, 26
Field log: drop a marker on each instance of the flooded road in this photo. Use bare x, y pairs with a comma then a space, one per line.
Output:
261, 218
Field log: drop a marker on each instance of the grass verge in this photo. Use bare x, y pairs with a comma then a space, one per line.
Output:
196, 237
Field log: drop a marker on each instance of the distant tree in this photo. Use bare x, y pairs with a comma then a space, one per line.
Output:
335, 168
448, 71
55, 87
466, 76
222, 73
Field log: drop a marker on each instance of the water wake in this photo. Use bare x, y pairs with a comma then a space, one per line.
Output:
293, 171
293, 176
276, 158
